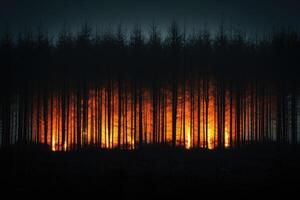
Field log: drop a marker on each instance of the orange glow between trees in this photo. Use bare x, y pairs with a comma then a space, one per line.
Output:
99, 124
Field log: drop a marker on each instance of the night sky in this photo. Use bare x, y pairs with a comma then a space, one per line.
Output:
250, 15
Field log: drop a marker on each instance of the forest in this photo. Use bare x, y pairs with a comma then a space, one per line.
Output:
125, 90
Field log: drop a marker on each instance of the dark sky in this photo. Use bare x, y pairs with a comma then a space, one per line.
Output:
251, 15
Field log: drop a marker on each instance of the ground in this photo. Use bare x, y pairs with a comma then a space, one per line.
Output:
269, 170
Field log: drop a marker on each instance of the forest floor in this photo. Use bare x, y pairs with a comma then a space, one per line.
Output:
269, 170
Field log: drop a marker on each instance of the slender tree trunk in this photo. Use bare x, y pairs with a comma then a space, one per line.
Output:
199, 114
135, 113
183, 124
230, 116
109, 112
51, 120
45, 106
294, 115
21, 116
154, 115
119, 113
174, 112
78, 117
206, 112
238, 121
63, 129
140, 117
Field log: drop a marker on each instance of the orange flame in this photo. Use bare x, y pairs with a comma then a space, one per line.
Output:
99, 124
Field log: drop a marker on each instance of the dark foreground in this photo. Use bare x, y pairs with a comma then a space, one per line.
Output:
269, 170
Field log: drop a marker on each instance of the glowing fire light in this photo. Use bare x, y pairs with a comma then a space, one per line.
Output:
108, 123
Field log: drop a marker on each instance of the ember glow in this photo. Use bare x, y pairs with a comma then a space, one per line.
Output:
201, 113
121, 116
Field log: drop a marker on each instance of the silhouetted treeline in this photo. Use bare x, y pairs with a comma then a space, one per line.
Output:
119, 90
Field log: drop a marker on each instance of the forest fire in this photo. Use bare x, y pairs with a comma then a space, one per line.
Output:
122, 118
101, 120
198, 114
